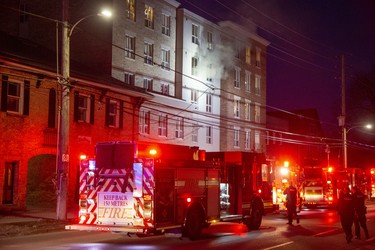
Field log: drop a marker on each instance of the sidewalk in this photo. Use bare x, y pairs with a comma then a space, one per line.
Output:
31, 221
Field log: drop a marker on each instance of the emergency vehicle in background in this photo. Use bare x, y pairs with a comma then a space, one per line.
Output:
315, 189
125, 189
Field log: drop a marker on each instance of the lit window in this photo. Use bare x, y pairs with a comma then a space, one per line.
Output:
248, 55
130, 12
166, 25
148, 53
149, 17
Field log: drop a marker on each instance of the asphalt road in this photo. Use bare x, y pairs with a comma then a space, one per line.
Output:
318, 229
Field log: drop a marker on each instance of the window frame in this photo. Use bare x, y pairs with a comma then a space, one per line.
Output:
166, 24
148, 53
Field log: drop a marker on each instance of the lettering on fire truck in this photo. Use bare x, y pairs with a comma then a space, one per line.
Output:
118, 206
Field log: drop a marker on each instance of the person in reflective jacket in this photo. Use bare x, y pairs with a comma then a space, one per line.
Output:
360, 213
345, 208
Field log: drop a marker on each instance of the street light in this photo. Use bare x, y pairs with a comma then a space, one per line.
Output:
346, 131
63, 165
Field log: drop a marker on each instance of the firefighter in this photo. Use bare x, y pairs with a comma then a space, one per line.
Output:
291, 203
360, 213
345, 208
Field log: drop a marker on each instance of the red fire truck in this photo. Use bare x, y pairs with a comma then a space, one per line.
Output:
125, 189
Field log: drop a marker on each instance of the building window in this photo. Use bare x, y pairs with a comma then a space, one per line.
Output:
113, 113
209, 135
149, 17
164, 89
237, 104
257, 141
209, 73
258, 57
129, 78
257, 113
166, 25
165, 59
247, 110
248, 55
162, 125
194, 96
144, 122
9, 185
15, 96
130, 12
237, 78
247, 81
208, 103
236, 138
194, 133
129, 47
257, 85
147, 83
194, 66
180, 128
210, 44
148, 53
83, 108
247, 139
194, 34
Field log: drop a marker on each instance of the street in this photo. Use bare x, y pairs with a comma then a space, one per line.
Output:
318, 229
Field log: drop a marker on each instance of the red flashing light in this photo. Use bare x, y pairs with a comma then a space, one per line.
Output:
188, 199
259, 191
330, 169
82, 157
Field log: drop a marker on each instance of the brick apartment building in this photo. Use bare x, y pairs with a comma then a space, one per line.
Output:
131, 80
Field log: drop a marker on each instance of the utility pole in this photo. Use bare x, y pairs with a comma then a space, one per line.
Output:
63, 166
343, 114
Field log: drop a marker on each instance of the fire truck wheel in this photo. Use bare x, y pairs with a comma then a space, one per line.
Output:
193, 225
255, 218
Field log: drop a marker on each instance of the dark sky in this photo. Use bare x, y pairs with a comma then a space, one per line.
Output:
307, 39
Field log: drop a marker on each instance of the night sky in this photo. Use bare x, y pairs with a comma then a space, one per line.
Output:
307, 39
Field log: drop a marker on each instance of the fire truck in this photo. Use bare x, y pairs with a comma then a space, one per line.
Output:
154, 188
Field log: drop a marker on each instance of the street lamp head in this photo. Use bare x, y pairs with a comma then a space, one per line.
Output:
369, 126
105, 13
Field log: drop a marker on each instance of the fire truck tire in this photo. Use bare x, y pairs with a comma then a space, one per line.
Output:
194, 223
255, 220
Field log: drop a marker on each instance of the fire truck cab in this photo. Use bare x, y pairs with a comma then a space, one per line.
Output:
145, 189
